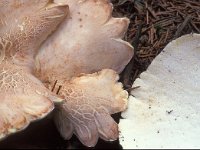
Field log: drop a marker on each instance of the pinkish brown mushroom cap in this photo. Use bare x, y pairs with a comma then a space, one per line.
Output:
89, 101
89, 40
84, 55
24, 25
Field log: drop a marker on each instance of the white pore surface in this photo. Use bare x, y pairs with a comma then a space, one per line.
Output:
164, 112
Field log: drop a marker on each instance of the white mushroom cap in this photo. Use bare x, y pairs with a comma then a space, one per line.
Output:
164, 112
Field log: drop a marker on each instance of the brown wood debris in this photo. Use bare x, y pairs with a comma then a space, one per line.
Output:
160, 21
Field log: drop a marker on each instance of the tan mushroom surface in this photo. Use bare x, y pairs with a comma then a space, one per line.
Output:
83, 57
164, 112
88, 41
24, 25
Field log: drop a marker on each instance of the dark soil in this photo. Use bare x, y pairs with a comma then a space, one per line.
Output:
153, 24
43, 134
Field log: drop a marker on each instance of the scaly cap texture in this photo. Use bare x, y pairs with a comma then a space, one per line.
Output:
24, 25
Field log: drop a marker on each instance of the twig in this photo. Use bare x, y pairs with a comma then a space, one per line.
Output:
151, 12
166, 36
195, 27
59, 88
128, 69
132, 88
182, 26
54, 85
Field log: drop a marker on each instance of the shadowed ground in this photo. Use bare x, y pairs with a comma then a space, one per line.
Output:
43, 134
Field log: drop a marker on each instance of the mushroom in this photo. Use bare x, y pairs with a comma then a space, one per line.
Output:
79, 62
164, 111
87, 41
24, 25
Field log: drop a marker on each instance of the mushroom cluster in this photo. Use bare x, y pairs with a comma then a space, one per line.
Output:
65, 54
